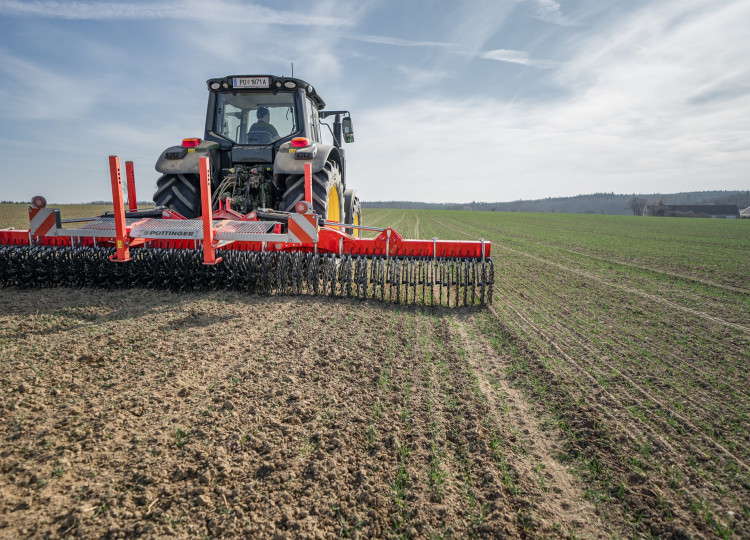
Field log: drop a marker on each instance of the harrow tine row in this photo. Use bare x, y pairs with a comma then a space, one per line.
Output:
423, 280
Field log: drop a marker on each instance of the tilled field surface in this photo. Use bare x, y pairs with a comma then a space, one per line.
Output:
139, 413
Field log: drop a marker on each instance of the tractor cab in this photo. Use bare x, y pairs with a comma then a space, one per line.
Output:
262, 110
260, 131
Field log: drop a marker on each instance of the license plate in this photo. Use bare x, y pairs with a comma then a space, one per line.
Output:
250, 82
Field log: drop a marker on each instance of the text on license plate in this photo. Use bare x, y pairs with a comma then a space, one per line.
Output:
250, 82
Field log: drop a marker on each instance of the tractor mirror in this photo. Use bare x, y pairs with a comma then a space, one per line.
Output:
346, 125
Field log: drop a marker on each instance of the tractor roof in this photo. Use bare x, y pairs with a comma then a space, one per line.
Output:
264, 82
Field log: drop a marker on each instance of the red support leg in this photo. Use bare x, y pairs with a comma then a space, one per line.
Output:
132, 201
123, 251
209, 253
308, 183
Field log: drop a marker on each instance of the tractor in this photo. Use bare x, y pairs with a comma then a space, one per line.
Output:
260, 132
260, 205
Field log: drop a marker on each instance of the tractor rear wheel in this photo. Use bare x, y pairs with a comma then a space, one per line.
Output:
179, 192
353, 212
327, 192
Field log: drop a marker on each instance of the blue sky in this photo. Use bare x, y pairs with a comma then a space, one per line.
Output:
490, 100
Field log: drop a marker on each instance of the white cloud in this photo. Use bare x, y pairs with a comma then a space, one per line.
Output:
550, 11
487, 150
656, 101
217, 11
419, 77
315, 51
398, 42
516, 57
661, 66
474, 26
39, 93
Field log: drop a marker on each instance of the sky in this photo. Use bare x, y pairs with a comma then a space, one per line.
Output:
477, 100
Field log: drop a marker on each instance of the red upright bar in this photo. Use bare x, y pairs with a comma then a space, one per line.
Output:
123, 251
132, 201
308, 183
209, 254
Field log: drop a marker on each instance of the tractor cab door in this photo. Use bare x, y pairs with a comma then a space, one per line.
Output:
312, 119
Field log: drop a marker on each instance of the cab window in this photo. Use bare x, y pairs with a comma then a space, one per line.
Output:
312, 113
236, 114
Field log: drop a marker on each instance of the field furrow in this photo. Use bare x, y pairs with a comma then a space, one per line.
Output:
660, 358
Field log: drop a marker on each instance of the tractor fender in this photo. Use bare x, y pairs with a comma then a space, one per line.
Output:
287, 161
179, 160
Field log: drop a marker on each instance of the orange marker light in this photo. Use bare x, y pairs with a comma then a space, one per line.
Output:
190, 143
300, 142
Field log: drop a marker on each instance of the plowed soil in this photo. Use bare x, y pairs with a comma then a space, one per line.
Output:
132, 413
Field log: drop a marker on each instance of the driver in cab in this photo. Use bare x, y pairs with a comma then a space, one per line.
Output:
263, 125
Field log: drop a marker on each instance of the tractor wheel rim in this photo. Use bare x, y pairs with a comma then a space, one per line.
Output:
334, 206
356, 222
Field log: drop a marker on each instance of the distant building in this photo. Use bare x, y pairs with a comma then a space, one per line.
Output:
721, 211
745, 214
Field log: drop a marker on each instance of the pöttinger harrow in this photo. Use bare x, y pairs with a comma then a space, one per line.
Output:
259, 252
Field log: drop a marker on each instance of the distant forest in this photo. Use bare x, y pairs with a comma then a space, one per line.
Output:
597, 203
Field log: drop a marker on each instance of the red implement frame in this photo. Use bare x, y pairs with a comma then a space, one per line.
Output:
123, 251
132, 201
209, 253
330, 240
308, 183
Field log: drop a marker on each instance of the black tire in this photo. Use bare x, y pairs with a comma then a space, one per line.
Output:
179, 192
323, 183
353, 211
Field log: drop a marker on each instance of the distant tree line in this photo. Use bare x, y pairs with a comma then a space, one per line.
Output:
596, 203
693, 210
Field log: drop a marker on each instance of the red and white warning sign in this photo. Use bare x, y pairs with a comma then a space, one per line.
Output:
303, 228
42, 221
